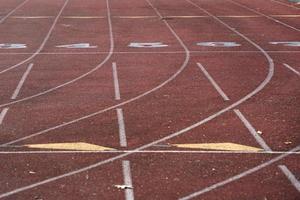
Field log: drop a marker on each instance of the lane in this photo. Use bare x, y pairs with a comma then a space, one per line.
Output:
7, 9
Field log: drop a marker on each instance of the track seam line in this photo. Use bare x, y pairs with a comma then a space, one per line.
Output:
43, 43
18, 88
237, 177
129, 194
267, 16
290, 176
12, 11
292, 69
258, 89
213, 82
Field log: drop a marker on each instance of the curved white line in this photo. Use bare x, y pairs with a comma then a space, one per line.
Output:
12, 11
77, 78
258, 89
239, 176
43, 43
264, 15
187, 57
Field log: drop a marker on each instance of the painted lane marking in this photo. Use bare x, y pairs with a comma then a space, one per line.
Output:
122, 132
216, 86
146, 151
237, 177
79, 146
288, 43
218, 44
17, 90
147, 45
271, 18
292, 69
219, 146
116, 81
77, 46
203, 121
32, 17
290, 176
129, 195
285, 4
12, 46
252, 130
111, 49
172, 77
11, 12
43, 43
3, 114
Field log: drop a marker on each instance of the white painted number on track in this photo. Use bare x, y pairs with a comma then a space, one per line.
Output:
147, 44
290, 44
218, 44
77, 46
12, 46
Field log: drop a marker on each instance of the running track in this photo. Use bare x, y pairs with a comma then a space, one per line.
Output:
139, 77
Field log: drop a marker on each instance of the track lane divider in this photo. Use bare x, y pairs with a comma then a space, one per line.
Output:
12, 11
290, 176
292, 69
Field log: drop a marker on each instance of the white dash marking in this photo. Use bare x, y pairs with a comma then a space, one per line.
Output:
122, 133
127, 180
290, 176
292, 69
217, 87
116, 81
252, 130
2, 115
16, 92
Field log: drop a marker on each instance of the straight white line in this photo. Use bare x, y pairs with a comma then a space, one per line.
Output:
237, 177
292, 69
217, 87
17, 90
252, 130
290, 176
116, 81
127, 180
271, 18
291, 6
11, 12
2, 114
149, 152
122, 133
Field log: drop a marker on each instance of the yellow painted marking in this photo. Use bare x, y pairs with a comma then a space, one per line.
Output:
79, 146
218, 146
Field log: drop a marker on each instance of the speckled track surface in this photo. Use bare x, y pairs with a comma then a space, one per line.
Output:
149, 99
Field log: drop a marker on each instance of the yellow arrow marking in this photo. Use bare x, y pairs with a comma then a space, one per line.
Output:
218, 146
79, 146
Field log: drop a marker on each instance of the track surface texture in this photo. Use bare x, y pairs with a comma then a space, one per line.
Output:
149, 99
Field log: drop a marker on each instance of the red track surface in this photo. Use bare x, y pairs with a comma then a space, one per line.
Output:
69, 95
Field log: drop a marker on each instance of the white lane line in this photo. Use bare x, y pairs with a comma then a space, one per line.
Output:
122, 133
17, 90
290, 176
2, 114
116, 81
43, 43
148, 152
237, 177
12, 11
79, 77
127, 180
203, 121
271, 18
252, 130
285, 4
182, 67
292, 69
217, 87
